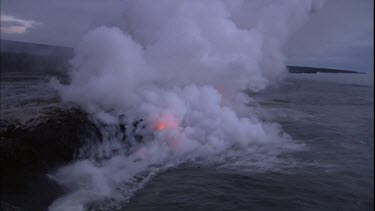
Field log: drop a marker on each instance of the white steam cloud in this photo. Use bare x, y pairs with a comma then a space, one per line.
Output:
179, 65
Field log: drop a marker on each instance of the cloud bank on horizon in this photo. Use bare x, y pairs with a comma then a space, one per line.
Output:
339, 35
13, 25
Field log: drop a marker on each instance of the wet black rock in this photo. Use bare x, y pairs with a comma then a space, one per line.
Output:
29, 151
47, 141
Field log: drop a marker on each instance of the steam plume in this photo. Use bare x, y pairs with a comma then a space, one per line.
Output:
179, 65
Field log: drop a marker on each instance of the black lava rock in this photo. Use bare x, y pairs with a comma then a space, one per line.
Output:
29, 151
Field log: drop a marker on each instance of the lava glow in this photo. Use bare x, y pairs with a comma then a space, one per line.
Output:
159, 126
165, 122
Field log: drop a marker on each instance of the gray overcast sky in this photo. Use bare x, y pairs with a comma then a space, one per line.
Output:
340, 35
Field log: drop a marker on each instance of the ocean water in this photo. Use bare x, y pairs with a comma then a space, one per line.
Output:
334, 172
331, 115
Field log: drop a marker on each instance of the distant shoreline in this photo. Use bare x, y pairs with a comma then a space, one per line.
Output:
20, 55
315, 70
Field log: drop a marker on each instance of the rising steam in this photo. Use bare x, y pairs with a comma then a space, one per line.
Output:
181, 67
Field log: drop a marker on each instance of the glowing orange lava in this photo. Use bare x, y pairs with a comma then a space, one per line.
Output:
165, 122
159, 126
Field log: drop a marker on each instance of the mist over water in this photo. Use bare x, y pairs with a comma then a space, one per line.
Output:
180, 66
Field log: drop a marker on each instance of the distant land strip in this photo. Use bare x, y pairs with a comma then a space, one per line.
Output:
298, 69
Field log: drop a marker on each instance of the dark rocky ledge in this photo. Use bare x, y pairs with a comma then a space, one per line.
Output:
29, 151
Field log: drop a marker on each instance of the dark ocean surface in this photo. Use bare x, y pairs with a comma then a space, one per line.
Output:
335, 121
330, 114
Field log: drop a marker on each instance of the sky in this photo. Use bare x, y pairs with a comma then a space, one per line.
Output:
339, 35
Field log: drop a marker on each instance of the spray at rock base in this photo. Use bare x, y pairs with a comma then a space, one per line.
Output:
180, 67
